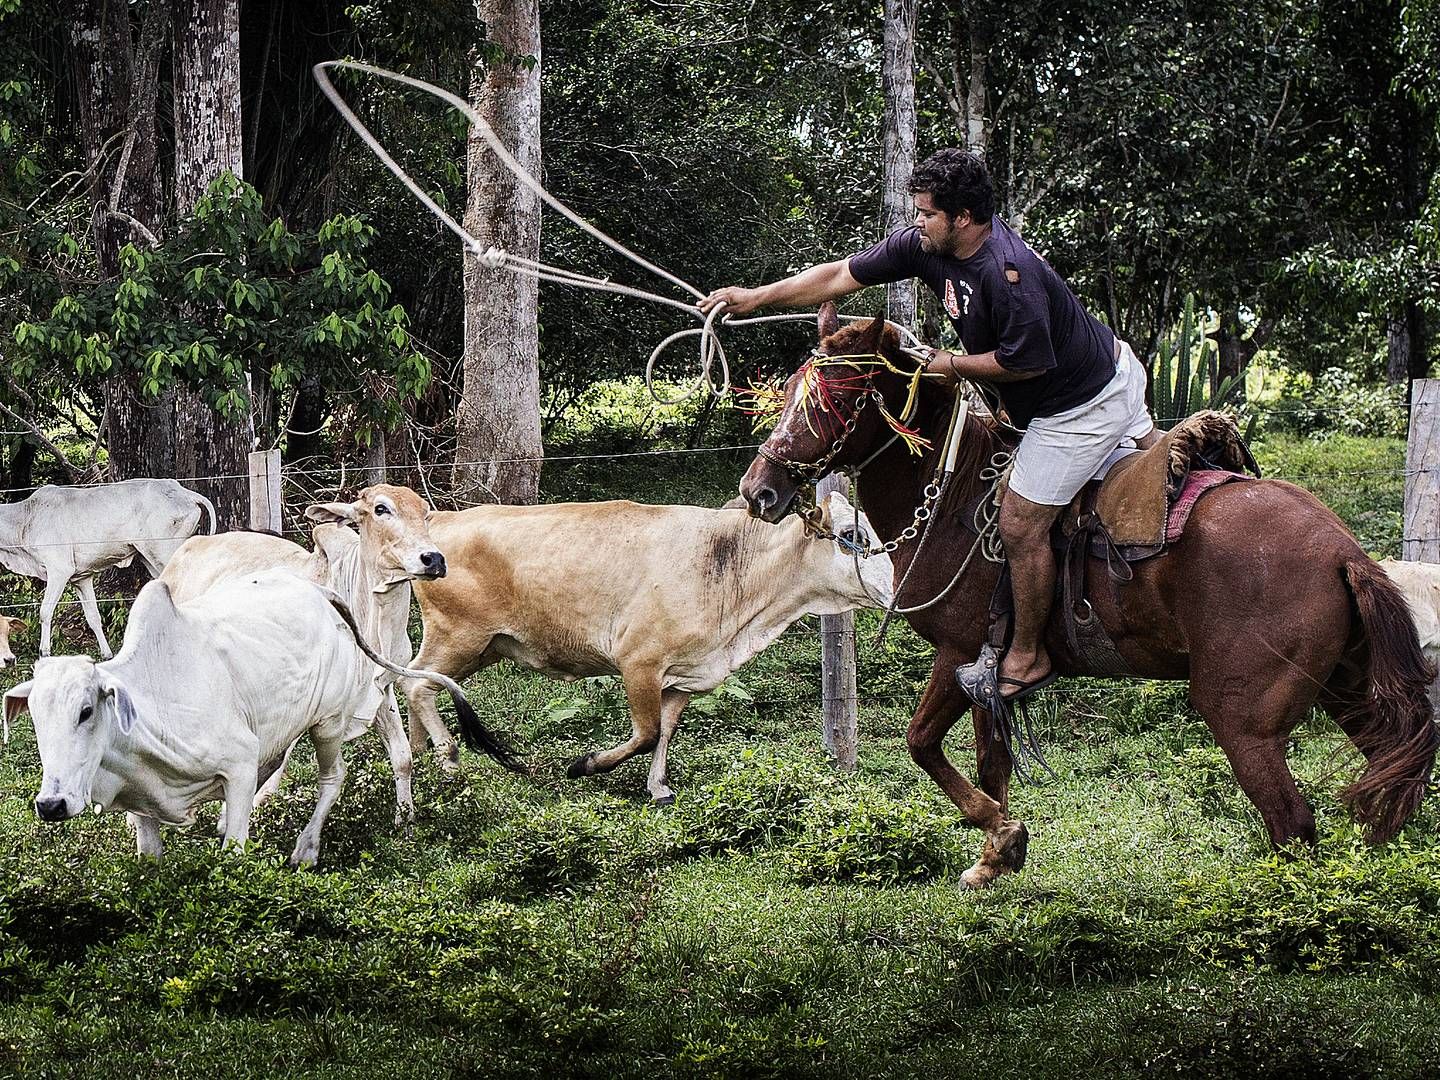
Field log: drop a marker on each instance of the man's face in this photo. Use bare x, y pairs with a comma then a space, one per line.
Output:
939, 232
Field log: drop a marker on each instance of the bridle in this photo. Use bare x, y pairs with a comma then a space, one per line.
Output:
986, 512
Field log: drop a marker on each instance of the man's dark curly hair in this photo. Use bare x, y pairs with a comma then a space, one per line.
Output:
956, 180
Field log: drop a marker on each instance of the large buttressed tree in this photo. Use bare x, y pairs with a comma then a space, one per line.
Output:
498, 448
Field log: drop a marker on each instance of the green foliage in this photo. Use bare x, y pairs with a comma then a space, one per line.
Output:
231, 293
1187, 373
1339, 402
872, 840
759, 800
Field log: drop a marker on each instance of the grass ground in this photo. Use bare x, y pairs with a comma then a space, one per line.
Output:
779, 920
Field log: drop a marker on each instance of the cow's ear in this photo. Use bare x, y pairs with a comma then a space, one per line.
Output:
18, 624
125, 714
828, 320
329, 513
17, 701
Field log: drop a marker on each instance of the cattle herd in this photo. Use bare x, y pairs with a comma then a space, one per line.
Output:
245, 641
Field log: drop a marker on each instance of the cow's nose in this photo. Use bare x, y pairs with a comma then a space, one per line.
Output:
6, 661
433, 562
52, 809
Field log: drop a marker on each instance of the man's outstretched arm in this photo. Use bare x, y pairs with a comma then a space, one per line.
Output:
809, 288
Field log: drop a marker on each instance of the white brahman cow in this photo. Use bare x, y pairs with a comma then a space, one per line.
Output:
1420, 582
202, 703
371, 570
671, 598
69, 534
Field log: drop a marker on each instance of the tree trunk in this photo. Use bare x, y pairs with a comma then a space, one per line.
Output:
1406, 353
208, 140
899, 83
117, 87
977, 134
498, 451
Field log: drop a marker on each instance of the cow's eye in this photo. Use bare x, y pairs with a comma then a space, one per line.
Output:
381, 509
86, 711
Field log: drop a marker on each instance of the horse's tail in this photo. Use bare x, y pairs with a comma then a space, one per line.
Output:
1397, 735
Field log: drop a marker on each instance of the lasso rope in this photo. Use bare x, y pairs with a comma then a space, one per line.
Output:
711, 349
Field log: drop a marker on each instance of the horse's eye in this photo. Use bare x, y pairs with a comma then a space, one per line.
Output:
86, 711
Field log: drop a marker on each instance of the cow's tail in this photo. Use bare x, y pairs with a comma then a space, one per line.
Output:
476, 735
1398, 735
206, 505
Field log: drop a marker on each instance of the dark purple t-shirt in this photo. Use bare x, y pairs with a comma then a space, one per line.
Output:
1007, 298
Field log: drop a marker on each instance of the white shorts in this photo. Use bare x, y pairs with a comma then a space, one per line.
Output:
1059, 453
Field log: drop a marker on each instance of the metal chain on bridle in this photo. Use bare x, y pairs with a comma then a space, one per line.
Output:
986, 518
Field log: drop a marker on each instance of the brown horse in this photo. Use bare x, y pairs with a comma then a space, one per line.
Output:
1266, 604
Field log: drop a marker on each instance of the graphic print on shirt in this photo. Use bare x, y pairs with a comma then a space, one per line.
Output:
952, 306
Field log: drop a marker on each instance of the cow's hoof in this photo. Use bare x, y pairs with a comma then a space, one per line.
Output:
406, 825
663, 800
448, 758
581, 766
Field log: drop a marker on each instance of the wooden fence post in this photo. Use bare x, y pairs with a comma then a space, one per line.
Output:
1420, 538
265, 501
837, 671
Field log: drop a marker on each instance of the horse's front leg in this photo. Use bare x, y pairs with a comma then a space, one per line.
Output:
942, 704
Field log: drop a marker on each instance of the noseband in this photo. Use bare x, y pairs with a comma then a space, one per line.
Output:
811, 471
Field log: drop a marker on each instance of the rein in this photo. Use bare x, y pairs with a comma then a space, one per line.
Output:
986, 513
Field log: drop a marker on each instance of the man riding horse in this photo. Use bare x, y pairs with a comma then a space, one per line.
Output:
1063, 376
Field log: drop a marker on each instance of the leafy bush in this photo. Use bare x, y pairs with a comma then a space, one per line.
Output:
1353, 910
758, 802
1339, 402
561, 848
870, 839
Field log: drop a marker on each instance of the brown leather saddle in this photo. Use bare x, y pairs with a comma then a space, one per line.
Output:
1134, 513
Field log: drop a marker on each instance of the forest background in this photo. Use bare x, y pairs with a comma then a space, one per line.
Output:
198, 257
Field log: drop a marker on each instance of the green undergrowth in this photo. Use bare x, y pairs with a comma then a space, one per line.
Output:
780, 919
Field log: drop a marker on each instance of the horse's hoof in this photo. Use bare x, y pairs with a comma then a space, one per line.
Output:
979, 876
581, 766
1011, 843
663, 800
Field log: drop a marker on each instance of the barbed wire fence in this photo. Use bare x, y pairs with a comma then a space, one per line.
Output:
280, 493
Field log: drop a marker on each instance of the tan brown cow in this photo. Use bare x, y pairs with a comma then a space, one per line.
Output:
371, 570
671, 598
8, 626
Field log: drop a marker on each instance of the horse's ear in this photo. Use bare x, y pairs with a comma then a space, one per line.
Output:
875, 332
828, 319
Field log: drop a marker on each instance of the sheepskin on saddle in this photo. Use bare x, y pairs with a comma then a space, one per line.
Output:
1145, 499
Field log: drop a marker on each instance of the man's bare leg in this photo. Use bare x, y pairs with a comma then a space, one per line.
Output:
1144, 442
1025, 529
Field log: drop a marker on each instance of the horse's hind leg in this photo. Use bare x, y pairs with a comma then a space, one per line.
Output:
1251, 720
1005, 838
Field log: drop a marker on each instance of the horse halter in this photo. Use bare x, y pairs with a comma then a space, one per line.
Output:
810, 472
